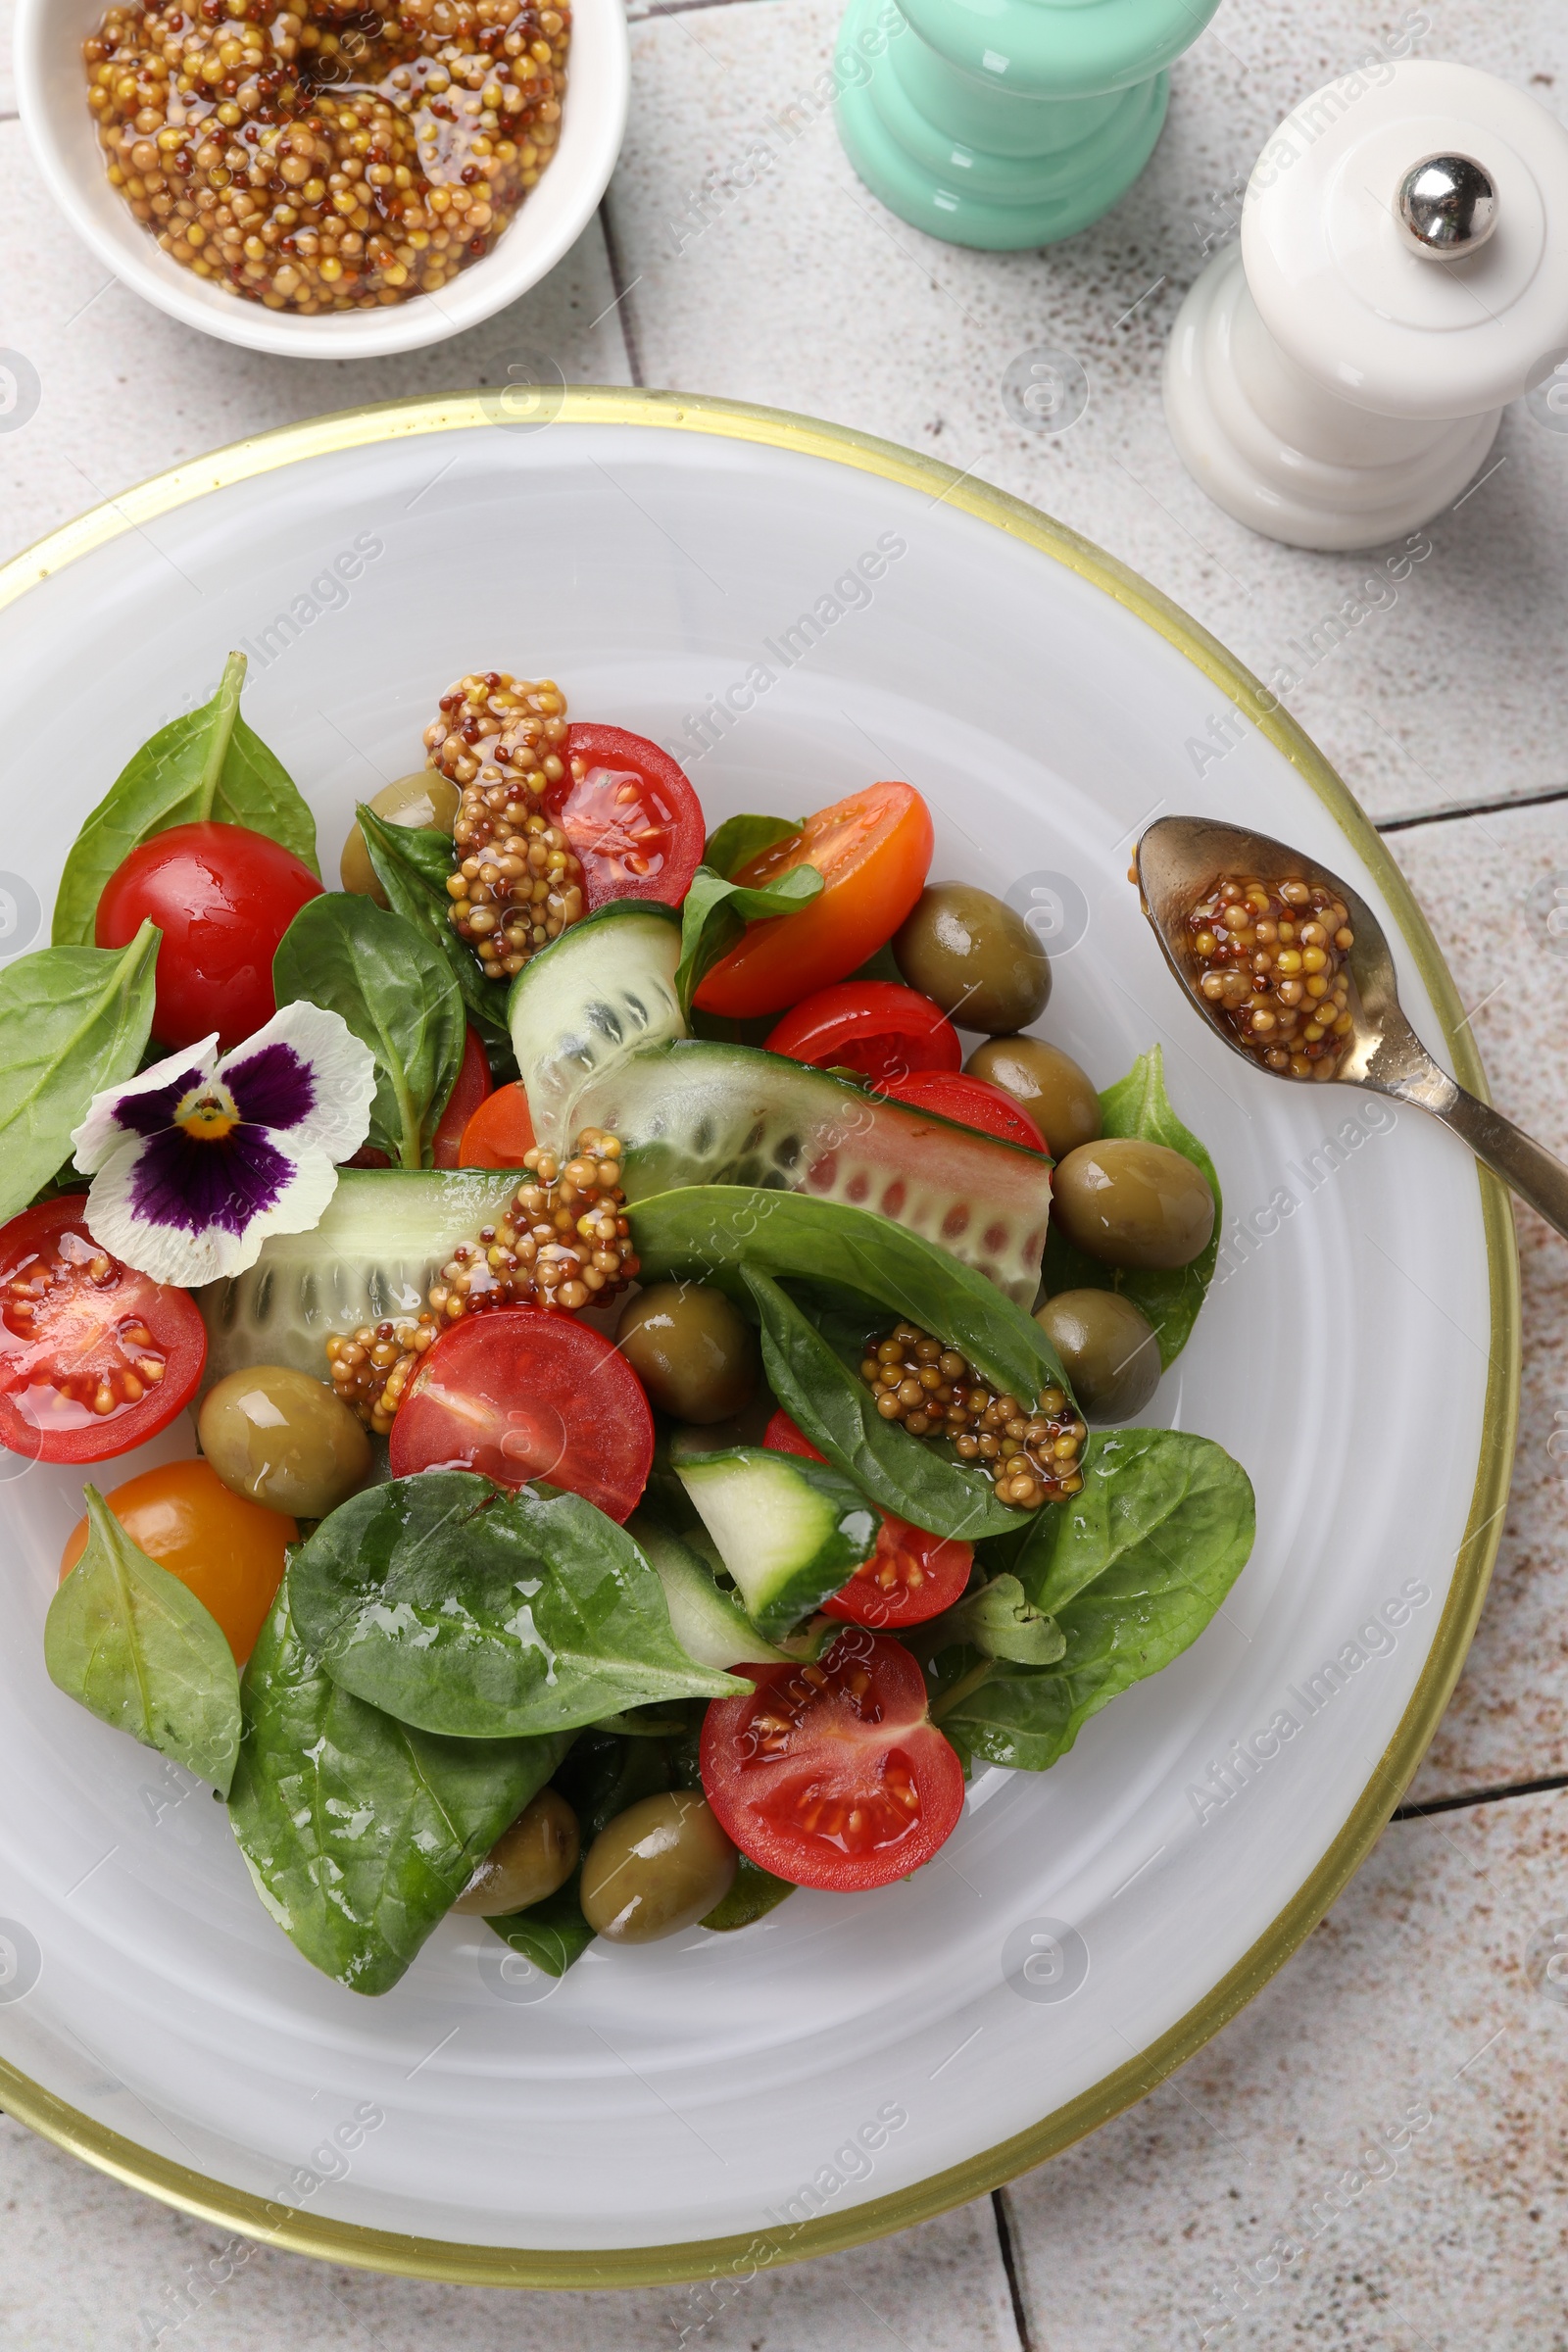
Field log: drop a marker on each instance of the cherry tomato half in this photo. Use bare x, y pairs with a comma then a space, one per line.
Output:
229, 1550
94, 1357
471, 1089
222, 897
877, 1027
630, 813
500, 1134
833, 1775
967, 1102
873, 852
909, 1576
527, 1393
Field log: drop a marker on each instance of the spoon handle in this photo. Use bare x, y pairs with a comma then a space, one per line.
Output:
1524, 1166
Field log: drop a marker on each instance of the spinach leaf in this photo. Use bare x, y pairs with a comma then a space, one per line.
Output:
207, 764
463, 1609
714, 1230
754, 1892
828, 1399
740, 839
998, 1620
1132, 1569
1171, 1297
412, 863
361, 1832
716, 912
130, 1642
552, 1933
73, 1022
398, 995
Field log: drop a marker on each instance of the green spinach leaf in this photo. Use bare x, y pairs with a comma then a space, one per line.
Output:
73, 1022
740, 839
1138, 1106
463, 1609
397, 994
1132, 1569
715, 912
998, 1620
552, 1933
361, 1832
207, 764
754, 1892
133, 1645
413, 864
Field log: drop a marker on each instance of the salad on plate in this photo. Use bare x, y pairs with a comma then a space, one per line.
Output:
660, 1403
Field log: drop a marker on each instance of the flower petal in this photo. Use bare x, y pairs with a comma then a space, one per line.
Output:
141, 1106
306, 1075
144, 1201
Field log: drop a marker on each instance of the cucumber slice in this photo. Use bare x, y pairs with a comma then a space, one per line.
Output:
696, 1113
708, 1623
603, 990
789, 1529
385, 1236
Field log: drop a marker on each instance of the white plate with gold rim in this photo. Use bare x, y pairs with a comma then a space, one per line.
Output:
693, 570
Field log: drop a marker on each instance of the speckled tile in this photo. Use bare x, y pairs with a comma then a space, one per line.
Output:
1370, 2155
801, 290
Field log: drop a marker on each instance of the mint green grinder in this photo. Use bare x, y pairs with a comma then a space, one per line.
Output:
1006, 123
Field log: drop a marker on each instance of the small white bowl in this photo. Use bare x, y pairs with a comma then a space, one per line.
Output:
52, 100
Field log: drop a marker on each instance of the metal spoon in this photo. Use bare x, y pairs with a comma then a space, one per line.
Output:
1179, 858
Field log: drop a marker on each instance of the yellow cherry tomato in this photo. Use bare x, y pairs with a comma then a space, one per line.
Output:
229, 1550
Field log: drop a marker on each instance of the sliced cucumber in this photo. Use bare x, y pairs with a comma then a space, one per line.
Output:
700, 1113
603, 990
708, 1623
789, 1529
386, 1234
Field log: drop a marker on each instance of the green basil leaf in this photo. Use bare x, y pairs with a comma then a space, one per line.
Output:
130, 1642
207, 764
740, 839
552, 1933
361, 1832
1171, 1297
716, 912
463, 1609
73, 1022
412, 863
397, 994
1132, 1568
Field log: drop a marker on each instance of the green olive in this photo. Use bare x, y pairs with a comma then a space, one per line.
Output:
532, 1859
1057, 1095
1107, 1349
659, 1866
423, 801
284, 1439
1133, 1204
976, 957
694, 1352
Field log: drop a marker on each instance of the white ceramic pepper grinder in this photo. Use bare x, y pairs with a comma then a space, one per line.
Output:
1339, 376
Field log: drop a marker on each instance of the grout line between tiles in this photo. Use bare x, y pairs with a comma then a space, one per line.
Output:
624, 287
1009, 2263
1498, 806
1480, 1797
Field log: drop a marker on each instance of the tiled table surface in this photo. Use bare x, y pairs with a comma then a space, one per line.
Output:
1242, 2197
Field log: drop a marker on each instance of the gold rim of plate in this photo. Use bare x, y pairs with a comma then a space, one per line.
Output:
441, 2259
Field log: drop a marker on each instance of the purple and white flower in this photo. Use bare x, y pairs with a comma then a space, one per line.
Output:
195, 1162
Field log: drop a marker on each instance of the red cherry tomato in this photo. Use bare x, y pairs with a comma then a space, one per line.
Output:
631, 815
471, 1089
527, 1393
833, 1775
222, 897
500, 1134
909, 1576
967, 1102
94, 1357
873, 852
877, 1027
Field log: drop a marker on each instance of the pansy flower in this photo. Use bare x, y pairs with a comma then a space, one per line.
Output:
196, 1160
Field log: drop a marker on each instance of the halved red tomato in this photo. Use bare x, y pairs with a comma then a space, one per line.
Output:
527, 1393
873, 852
967, 1102
877, 1027
471, 1089
833, 1775
629, 812
909, 1576
94, 1357
500, 1134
